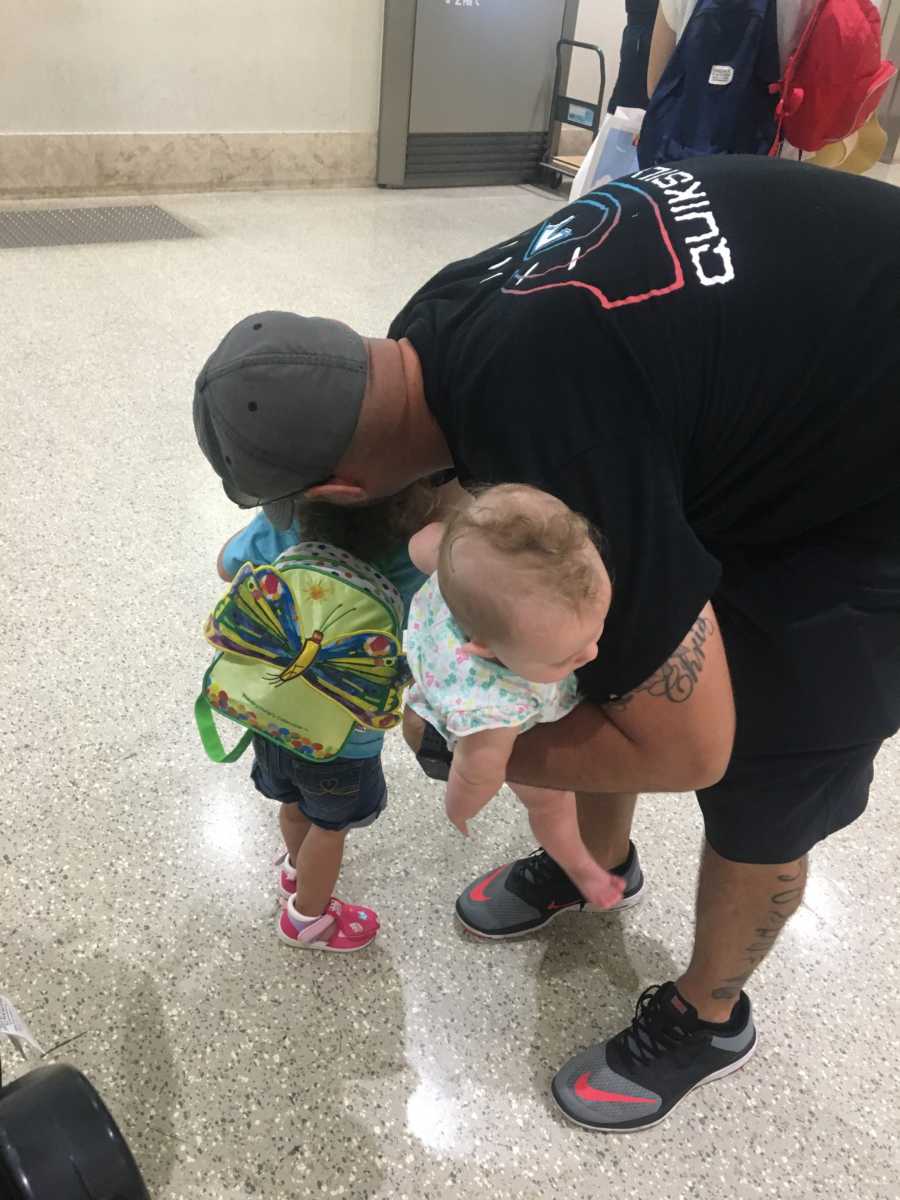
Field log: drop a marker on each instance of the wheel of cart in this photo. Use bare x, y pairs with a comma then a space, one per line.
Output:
566, 110
58, 1141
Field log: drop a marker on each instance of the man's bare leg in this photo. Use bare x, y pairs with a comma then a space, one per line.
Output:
605, 824
741, 910
662, 1055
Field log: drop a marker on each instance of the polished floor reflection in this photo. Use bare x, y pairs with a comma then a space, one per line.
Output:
137, 897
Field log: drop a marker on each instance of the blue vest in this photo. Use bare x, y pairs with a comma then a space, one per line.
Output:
714, 96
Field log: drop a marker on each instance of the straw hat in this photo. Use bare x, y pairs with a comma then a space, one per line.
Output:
855, 154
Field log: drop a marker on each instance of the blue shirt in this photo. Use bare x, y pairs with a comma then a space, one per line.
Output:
260, 543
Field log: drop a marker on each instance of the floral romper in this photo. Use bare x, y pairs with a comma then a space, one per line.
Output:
460, 693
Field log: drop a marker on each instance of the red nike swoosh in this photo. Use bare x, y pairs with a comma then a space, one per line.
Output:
584, 1091
568, 904
479, 891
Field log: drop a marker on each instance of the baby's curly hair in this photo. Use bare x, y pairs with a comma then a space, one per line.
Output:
547, 544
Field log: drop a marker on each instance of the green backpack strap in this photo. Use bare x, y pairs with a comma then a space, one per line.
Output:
209, 734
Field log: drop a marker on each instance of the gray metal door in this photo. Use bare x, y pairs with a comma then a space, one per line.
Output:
485, 69
466, 88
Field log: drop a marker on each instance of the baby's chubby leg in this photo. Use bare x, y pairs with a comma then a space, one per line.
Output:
554, 823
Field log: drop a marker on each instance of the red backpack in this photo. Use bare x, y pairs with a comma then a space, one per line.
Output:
835, 79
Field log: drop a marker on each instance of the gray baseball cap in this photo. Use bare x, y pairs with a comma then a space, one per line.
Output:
276, 407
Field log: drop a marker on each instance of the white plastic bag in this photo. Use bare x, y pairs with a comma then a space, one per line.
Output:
613, 152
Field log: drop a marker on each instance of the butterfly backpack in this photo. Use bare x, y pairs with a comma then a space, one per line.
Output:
309, 649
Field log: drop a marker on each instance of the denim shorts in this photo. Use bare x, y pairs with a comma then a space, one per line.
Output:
345, 793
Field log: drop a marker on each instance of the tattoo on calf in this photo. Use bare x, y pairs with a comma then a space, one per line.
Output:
677, 677
785, 901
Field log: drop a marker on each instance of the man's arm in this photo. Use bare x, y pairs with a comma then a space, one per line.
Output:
674, 733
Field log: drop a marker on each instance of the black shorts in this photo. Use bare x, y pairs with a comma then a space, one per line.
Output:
812, 635
346, 793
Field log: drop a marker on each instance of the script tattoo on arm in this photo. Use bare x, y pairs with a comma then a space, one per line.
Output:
677, 677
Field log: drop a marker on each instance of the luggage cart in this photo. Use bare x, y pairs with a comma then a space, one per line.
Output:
566, 110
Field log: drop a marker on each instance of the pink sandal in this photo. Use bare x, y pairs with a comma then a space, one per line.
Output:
341, 927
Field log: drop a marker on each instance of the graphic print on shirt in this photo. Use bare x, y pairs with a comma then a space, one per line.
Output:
573, 244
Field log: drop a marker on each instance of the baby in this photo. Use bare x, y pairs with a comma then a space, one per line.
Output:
515, 603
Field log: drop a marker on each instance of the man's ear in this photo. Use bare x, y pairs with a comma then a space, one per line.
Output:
338, 491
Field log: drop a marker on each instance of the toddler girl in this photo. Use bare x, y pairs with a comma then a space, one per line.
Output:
321, 802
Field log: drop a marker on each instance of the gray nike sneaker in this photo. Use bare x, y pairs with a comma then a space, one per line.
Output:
635, 1079
527, 894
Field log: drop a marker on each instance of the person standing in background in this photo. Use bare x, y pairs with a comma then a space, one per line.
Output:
630, 89
673, 16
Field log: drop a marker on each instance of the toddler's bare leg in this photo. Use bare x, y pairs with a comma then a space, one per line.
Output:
554, 822
318, 866
294, 828
317, 855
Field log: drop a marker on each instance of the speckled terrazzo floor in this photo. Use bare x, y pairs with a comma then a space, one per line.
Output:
136, 892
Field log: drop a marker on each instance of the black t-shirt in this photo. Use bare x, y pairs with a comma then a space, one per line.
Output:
704, 361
